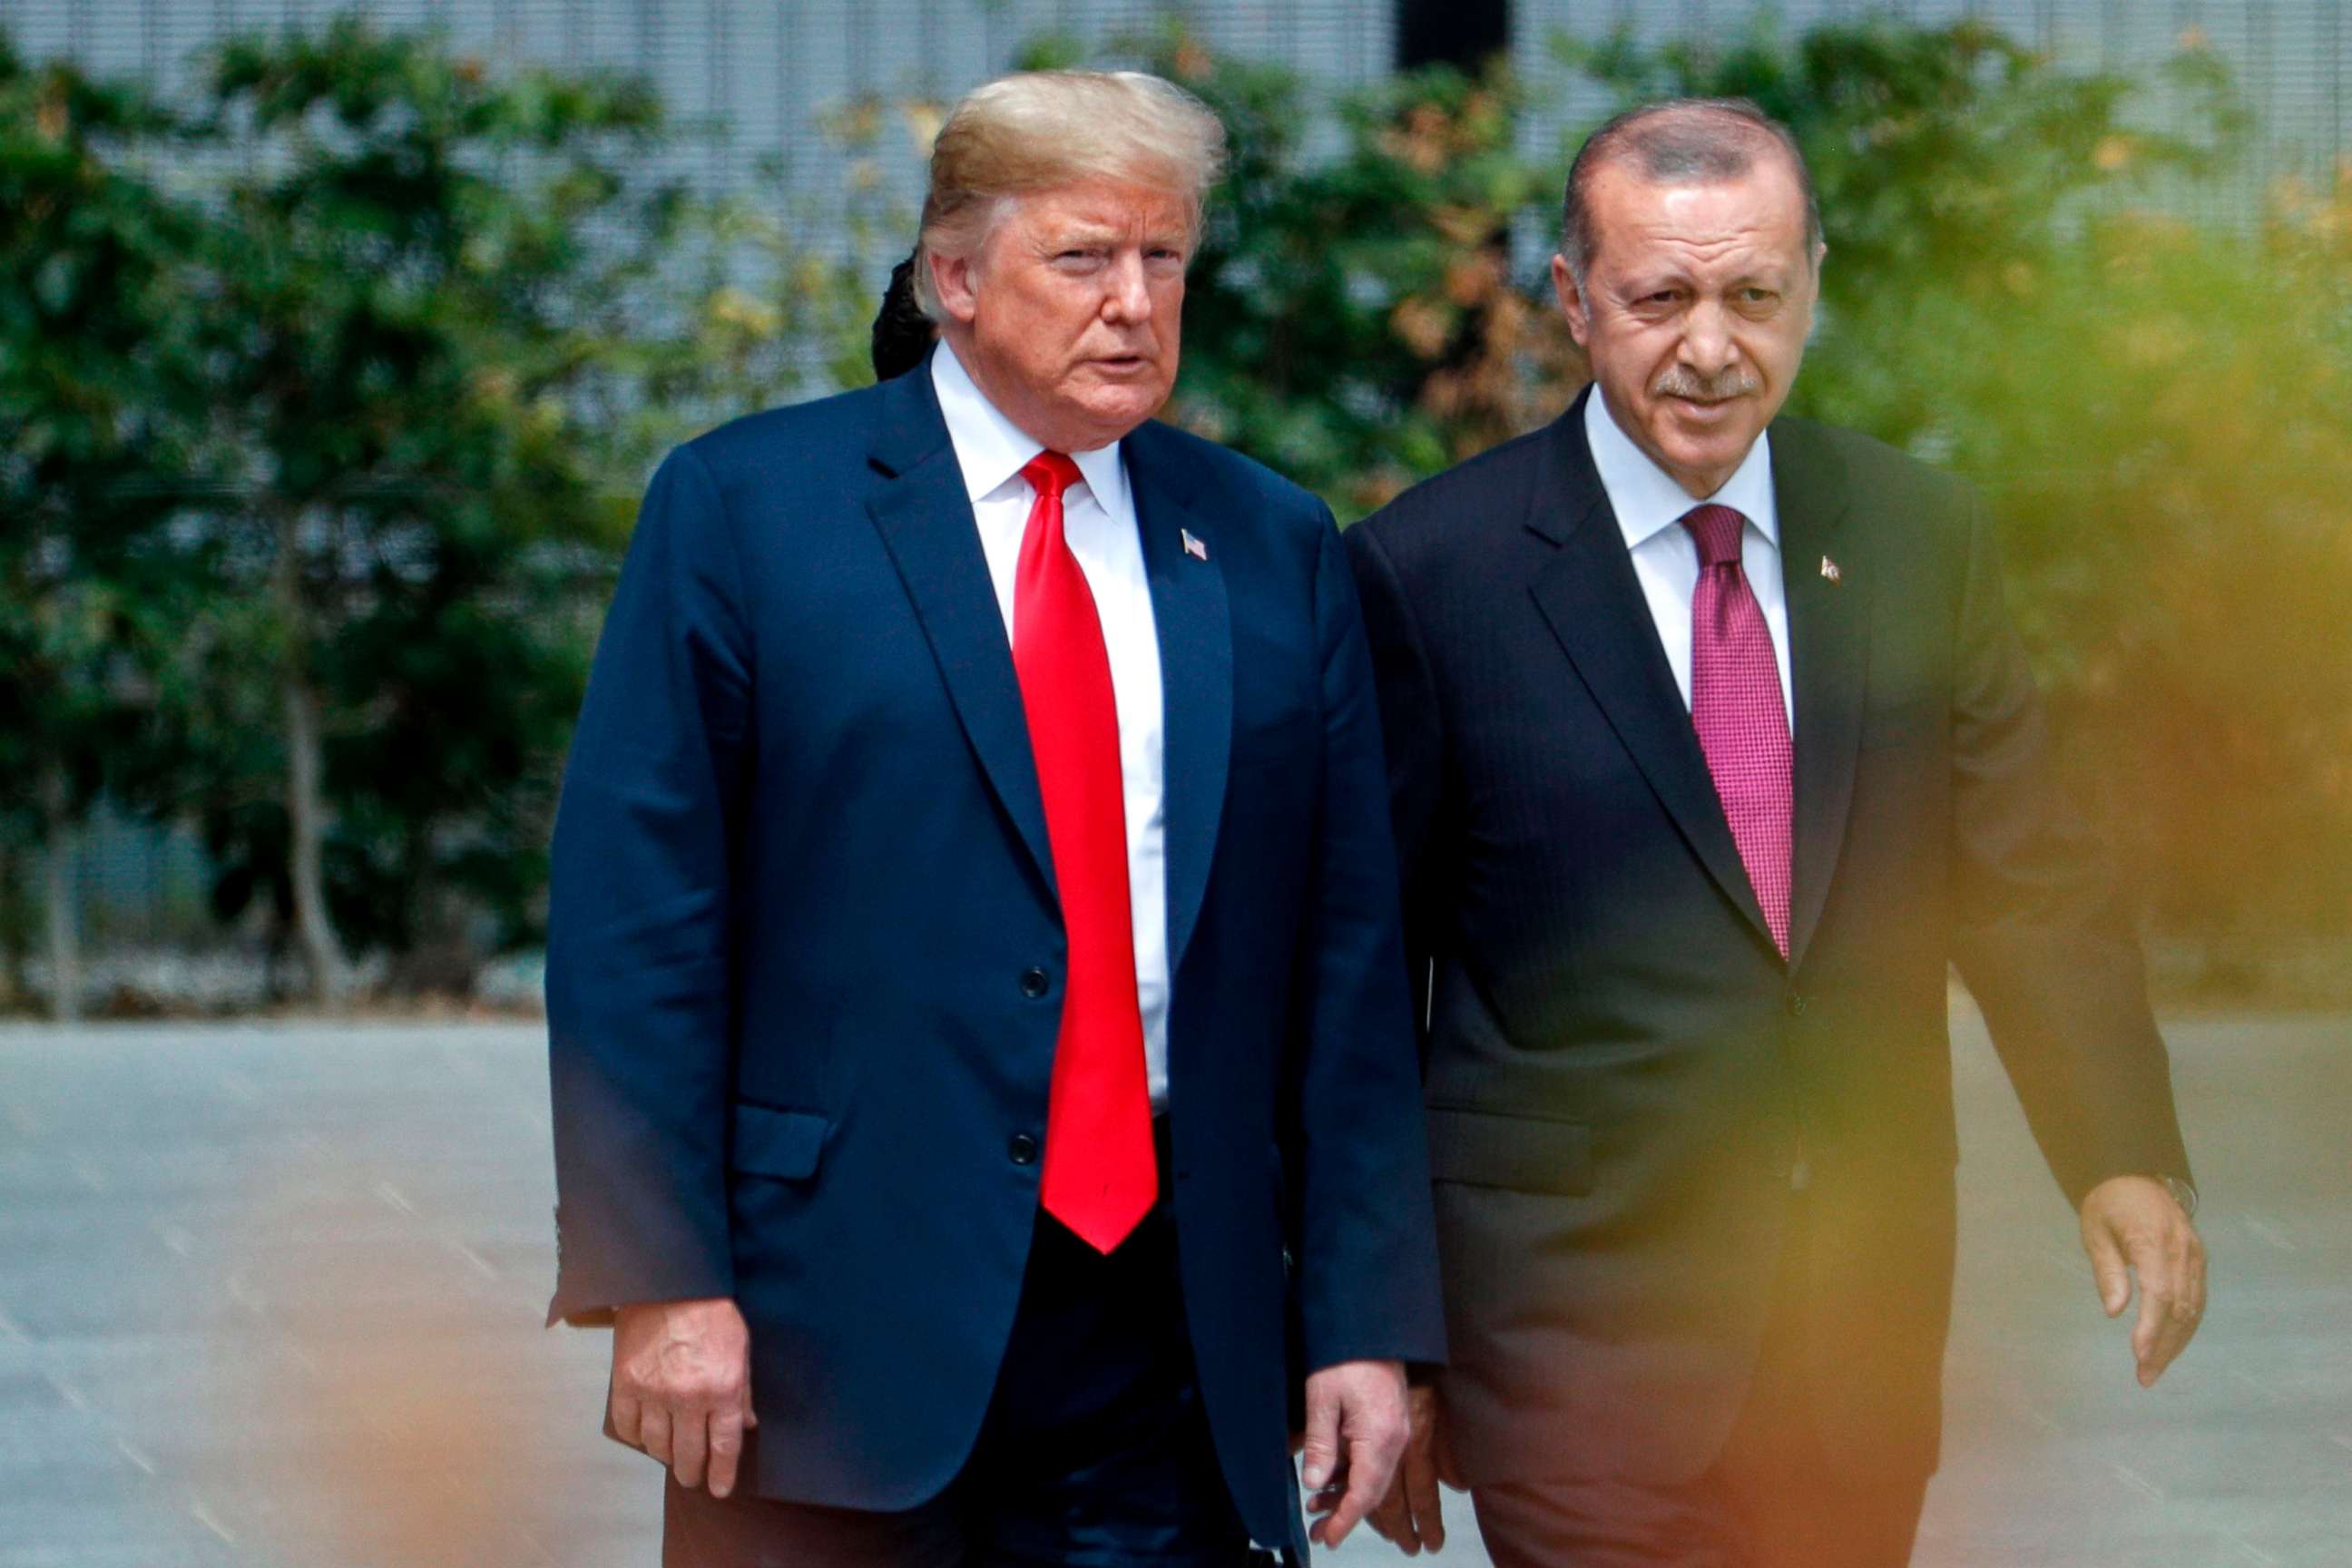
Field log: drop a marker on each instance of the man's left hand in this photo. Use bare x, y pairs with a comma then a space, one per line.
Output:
1412, 1516
682, 1386
1356, 1429
2132, 1226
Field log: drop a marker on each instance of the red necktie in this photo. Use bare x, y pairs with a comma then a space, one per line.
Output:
1743, 726
1100, 1175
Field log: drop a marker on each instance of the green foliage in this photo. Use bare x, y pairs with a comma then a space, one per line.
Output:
96, 399
765, 317
2158, 411
1949, 163
413, 329
1351, 320
357, 403
356, 413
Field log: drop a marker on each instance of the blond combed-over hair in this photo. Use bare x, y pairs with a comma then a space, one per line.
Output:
1038, 131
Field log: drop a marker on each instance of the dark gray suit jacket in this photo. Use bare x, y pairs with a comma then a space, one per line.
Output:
1625, 1082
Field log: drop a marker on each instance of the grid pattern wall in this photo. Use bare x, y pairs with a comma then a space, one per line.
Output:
2293, 60
762, 79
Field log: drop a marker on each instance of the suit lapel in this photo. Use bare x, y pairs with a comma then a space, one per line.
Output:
1592, 600
1196, 670
926, 521
1829, 653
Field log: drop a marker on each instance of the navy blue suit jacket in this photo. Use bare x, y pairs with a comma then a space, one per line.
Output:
804, 955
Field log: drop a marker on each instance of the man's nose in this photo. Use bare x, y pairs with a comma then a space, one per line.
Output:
1127, 296
1707, 346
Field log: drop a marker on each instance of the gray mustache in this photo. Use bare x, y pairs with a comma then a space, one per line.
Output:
1681, 381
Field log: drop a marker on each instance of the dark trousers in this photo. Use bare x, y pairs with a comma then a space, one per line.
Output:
1773, 1500
1094, 1452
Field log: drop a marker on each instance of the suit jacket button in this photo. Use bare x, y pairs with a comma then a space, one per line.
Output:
1023, 1150
1794, 1003
1035, 983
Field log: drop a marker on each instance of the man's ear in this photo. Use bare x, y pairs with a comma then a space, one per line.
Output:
956, 280
1571, 298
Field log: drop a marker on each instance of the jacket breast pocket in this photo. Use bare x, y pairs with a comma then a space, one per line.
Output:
1519, 1153
764, 1140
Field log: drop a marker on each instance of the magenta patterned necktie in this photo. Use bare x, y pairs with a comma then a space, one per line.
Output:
1735, 707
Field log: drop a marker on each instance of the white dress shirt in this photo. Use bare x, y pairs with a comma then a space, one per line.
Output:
1098, 521
1650, 507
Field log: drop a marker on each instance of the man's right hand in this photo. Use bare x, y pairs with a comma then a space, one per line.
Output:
682, 1386
1411, 1515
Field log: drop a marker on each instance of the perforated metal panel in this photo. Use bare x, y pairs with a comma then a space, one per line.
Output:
765, 77
2292, 57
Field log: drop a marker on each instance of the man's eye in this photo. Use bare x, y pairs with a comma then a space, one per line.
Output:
1758, 296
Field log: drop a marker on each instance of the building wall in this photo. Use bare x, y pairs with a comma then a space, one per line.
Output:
764, 76
767, 75
2292, 58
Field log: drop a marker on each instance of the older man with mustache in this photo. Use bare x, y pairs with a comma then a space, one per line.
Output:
1711, 748
985, 1085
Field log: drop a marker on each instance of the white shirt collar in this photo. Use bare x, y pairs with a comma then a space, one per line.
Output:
991, 450
1647, 498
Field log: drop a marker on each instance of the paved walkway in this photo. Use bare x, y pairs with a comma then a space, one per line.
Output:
271, 1296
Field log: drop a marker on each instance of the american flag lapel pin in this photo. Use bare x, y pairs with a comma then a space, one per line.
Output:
1830, 571
1192, 546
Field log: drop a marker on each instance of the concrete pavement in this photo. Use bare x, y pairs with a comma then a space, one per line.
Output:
271, 1295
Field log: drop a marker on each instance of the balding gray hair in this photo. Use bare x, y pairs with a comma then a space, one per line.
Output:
1678, 141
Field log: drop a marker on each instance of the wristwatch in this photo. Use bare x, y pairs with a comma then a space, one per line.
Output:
2183, 1194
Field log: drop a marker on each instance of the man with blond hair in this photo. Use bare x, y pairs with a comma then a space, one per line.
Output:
984, 1083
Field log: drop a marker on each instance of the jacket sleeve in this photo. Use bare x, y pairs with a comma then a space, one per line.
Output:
1412, 723
1368, 1249
638, 993
2042, 937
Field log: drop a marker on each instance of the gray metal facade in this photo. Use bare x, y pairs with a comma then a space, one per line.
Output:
2292, 59
767, 75
761, 80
